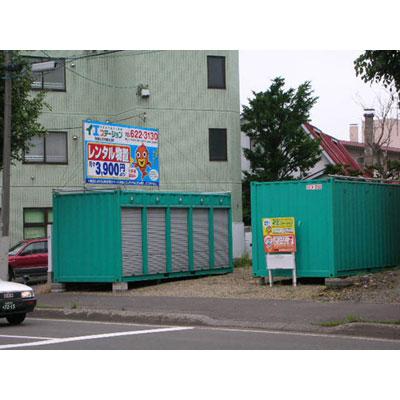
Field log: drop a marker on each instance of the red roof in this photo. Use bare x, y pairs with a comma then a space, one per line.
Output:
334, 148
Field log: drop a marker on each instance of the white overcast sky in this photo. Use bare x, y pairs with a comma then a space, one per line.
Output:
332, 77
298, 40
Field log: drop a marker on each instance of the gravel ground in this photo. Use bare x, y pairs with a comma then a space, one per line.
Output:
381, 287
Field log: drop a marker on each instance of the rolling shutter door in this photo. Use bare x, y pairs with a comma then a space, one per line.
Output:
157, 254
221, 238
132, 262
200, 239
179, 240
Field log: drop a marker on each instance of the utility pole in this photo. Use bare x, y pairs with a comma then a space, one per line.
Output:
5, 193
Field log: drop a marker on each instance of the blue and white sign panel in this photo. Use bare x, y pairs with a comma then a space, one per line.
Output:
121, 154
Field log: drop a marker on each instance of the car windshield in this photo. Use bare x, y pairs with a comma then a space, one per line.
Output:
15, 249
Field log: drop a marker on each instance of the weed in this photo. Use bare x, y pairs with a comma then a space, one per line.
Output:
354, 318
242, 262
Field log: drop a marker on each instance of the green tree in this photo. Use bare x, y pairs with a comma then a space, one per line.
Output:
280, 148
26, 107
279, 145
380, 66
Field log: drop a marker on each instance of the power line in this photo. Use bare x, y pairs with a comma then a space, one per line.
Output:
100, 83
88, 56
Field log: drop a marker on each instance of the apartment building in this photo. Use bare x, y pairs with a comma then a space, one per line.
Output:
190, 97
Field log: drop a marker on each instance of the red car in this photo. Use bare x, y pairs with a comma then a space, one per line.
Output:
28, 260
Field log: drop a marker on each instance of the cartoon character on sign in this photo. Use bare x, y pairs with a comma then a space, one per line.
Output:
142, 159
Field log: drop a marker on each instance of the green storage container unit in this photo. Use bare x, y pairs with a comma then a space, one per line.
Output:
343, 227
123, 236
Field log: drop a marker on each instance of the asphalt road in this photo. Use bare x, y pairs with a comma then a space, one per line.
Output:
52, 334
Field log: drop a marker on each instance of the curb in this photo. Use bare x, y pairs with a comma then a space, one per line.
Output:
165, 319
367, 330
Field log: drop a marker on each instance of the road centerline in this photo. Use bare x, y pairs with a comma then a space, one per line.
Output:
93, 337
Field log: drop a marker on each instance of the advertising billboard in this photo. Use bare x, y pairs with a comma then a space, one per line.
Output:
120, 154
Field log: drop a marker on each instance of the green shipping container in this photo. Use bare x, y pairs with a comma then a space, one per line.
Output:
343, 227
123, 236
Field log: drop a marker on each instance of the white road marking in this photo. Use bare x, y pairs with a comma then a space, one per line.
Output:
81, 321
92, 337
25, 337
294, 333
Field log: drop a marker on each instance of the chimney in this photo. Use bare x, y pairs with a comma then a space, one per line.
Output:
368, 137
354, 132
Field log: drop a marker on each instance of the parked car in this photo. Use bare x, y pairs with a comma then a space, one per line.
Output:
15, 301
27, 260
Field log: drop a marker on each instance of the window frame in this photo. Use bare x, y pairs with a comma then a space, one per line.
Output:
46, 222
45, 59
210, 131
209, 69
45, 162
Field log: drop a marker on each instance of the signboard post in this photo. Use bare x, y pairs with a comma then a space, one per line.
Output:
280, 245
120, 154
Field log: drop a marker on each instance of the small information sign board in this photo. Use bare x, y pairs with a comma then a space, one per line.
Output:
280, 244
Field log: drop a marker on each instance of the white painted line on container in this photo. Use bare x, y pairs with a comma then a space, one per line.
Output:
25, 337
293, 333
92, 337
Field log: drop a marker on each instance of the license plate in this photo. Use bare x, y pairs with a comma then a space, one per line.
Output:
9, 306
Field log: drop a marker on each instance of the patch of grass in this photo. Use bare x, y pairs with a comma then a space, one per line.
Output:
242, 262
45, 306
354, 318
74, 306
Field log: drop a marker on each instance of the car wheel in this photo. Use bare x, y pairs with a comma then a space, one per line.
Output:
11, 275
15, 319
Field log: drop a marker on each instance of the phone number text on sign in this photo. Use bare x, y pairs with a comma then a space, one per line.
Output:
142, 135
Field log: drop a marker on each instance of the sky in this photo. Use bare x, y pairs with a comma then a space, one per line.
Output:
332, 77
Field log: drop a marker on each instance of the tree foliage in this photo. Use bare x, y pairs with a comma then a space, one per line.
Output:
380, 66
340, 169
279, 146
26, 108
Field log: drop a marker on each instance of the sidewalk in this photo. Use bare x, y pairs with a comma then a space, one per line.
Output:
300, 316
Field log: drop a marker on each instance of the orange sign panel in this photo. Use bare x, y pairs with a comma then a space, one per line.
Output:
279, 235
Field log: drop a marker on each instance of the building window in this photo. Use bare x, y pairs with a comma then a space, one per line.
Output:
216, 72
217, 145
49, 80
49, 149
36, 221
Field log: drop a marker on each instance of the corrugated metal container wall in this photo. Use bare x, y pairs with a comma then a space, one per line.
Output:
313, 224
366, 225
86, 237
342, 227
112, 236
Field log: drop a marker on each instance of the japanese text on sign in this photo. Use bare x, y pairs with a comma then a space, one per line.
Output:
279, 235
121, 154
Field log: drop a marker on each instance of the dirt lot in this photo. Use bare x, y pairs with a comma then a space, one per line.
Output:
381, 287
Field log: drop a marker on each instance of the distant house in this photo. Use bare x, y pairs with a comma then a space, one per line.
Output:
334, 153
384, 133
